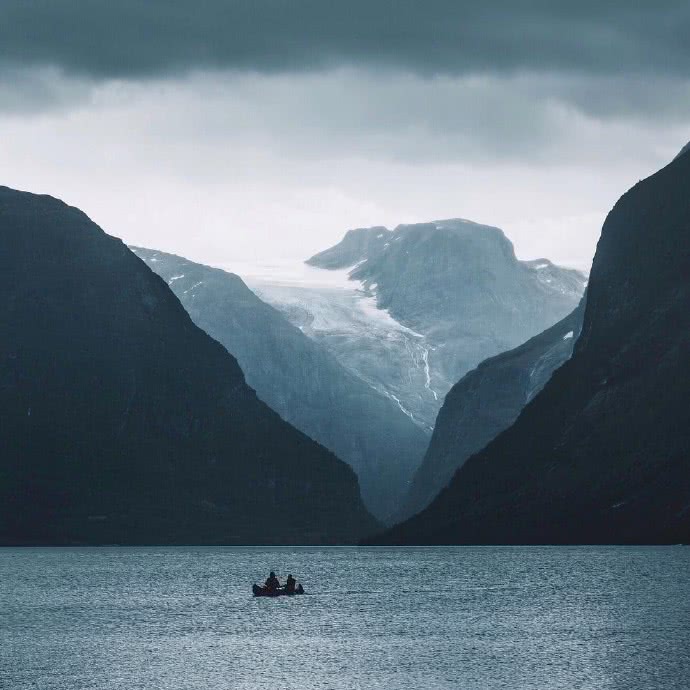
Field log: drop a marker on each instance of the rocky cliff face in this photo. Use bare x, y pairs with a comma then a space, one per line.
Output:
301, 380
485, 402
602, 454
461, 293
123, 422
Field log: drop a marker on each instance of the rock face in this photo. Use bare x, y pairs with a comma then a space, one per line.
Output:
301, 380
602, 454
485, 402
123, 422
461, 293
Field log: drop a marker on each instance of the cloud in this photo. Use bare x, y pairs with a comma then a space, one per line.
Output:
224, 165
38, 89
141, 38
605, 60
530, 118
224, 129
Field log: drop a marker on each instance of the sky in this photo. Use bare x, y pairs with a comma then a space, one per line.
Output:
253, 131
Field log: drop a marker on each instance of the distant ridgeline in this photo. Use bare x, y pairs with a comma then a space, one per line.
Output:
459, 287
301, 380
123, 422
602, 453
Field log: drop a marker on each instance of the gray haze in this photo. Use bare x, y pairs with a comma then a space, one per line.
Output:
244, 131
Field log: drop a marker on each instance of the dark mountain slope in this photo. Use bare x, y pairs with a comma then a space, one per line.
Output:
684, 150
486, 402
301, 380
121, 421
602, 454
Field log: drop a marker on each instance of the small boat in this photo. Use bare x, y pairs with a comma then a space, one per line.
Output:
280, 592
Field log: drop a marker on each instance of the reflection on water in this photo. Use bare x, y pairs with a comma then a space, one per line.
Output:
479, 618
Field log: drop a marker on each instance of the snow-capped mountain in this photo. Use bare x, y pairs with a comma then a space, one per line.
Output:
338, 313
419, 306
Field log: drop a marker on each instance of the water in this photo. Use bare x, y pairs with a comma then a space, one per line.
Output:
483, 618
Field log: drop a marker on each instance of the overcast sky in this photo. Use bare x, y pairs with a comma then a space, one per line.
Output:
256, 130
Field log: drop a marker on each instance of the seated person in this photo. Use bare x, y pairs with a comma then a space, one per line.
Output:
290, 584
272, 583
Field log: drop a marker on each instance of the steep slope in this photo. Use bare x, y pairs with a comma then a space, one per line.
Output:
485, 402
458, 287
355, 246
300, 380
602, 454
332, 310
684, 150
121, 421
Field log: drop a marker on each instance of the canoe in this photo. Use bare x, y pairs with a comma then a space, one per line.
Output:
263, 592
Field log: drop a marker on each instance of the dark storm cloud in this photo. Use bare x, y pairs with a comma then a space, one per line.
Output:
141, 38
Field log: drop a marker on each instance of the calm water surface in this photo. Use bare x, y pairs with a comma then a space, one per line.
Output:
420, 618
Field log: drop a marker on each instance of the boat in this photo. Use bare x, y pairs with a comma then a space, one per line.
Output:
280, 592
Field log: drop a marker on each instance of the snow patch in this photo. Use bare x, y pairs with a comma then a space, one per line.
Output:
342, 313
427, 373
174, 278
568, 335
381, 317
403, 409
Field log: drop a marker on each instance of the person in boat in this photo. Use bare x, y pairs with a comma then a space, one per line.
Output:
272, 583
290, 585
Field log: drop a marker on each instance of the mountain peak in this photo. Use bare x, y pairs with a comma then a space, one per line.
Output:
355, 246
458, 289
684, 150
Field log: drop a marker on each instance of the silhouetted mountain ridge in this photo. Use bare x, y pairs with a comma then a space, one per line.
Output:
602, 454
122, 422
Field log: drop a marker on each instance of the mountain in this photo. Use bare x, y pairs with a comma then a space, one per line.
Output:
335, 312
684, 150
123, 422
355, 246
458, 290
485, 402
301, 380
602, 454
